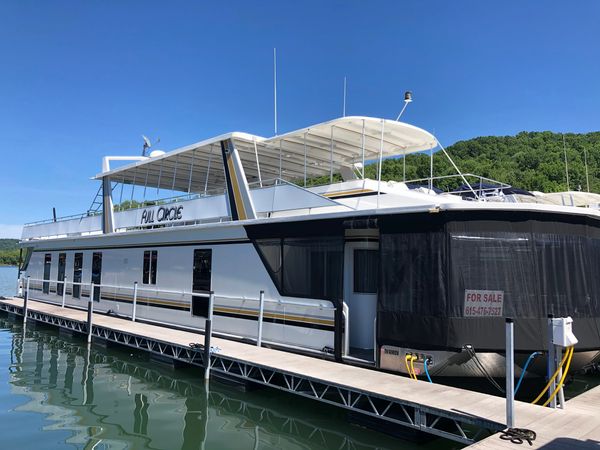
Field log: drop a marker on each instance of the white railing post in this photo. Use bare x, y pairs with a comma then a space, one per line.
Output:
135, 293
551, 362
346, 312
90, 312
510, 374
25, 301
64, 294
261, 310
208, 335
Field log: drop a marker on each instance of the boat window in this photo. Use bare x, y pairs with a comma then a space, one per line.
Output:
201, 282
96, 274
77, 269
305, 267
149, 270
202, 271
47, 267
62, 262
366, 270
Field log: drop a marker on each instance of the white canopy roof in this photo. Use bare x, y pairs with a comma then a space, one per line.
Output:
313, 151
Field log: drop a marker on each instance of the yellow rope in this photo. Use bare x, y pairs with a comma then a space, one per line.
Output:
562, 380
553, 376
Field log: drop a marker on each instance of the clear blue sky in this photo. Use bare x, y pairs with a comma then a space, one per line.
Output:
82, 79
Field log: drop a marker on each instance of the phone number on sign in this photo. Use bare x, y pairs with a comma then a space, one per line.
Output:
491, 311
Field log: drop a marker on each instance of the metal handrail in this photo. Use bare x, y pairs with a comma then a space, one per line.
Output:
182, 293
481, 179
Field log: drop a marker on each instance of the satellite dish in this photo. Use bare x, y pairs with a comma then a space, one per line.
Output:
146, 146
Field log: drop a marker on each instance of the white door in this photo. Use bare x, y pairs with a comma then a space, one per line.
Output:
361, 268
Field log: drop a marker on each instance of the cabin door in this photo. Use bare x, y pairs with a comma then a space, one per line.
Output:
361, 268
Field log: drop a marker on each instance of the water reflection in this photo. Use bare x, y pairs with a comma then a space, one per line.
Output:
113, 399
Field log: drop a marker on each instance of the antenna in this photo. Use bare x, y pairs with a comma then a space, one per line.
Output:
407, 100
146, 145
275, 87
587, 178
344, 107
566, 163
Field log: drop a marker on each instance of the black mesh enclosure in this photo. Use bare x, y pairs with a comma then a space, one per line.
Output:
540, 263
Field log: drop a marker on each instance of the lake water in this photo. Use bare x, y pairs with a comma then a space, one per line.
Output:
58, 393
8, 280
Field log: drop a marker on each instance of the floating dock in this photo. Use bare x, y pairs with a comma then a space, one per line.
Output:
458, 414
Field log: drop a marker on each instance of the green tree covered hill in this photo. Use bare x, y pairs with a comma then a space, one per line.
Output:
9, 252
529, 160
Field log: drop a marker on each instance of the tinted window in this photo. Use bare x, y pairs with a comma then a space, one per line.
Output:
202, 271
77, 268
62, 262
366, 269
97, 274
149, 269
47, 267
305, 267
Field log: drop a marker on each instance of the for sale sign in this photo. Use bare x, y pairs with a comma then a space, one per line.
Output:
480, 303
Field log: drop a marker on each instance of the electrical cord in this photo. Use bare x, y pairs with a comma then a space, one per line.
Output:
551, 379
481, 367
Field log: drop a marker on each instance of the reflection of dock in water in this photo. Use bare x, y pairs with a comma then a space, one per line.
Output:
137, 405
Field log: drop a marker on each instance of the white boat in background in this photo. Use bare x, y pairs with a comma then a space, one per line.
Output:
362, 270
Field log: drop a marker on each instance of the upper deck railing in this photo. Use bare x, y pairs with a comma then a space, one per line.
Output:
190, 209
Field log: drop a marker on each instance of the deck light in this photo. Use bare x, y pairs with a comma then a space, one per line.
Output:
408, 97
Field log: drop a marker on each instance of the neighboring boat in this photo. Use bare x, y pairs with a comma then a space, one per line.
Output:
363, 269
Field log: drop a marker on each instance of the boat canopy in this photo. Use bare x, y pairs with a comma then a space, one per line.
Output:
319, 150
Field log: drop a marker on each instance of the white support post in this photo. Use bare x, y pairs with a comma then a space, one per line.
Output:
25, 301
561, 392
261, 310
346, 312
90, 312
380, 163
135, 293
64, 294
551, 362
510, 374
208, 336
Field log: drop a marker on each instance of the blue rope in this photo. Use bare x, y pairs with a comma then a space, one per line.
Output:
427, 370
531, 358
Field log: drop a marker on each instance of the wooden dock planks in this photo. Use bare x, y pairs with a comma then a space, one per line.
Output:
575, 427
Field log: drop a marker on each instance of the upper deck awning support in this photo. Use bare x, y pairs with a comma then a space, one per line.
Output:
239, 201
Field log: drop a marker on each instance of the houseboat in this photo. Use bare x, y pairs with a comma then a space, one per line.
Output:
362, 270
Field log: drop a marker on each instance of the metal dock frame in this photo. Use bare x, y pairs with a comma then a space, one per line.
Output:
459, 427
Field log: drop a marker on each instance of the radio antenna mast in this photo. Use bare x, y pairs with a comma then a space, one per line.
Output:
566, 163
275, 87
587, 178
344, 107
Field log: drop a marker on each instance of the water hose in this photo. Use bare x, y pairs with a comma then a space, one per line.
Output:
562, 380
531, 358
425, 364
567, 353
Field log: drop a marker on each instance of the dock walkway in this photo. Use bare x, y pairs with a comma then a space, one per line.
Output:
449, 412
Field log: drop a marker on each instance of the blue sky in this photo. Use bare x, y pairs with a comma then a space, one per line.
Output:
79, 80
